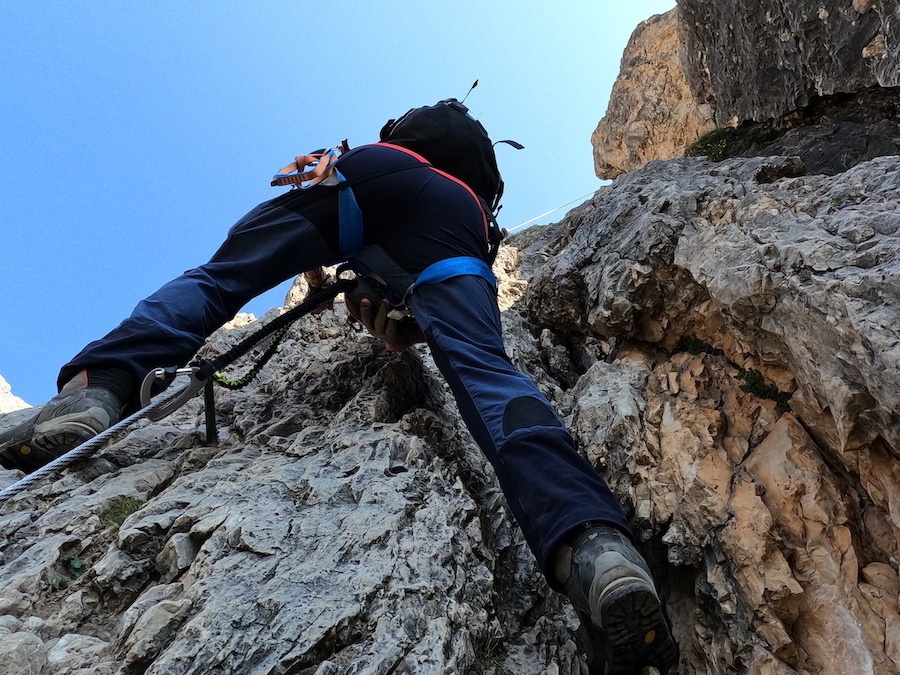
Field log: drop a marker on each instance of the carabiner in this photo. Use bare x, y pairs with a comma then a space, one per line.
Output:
169, 374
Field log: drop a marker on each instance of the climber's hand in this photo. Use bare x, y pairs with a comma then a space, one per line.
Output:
397, 335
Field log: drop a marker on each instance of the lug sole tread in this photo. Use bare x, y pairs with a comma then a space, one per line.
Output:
637, 633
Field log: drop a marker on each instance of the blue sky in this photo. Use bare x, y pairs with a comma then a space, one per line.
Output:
135, 134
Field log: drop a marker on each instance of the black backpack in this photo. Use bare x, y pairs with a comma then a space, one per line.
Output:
452, 141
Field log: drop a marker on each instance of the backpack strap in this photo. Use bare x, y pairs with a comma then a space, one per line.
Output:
495, 233
397, 282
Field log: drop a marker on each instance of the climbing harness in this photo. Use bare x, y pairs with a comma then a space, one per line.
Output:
201, 377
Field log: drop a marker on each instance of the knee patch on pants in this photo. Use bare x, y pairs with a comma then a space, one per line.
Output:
528, 411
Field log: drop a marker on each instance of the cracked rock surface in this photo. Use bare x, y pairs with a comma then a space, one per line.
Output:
723, 341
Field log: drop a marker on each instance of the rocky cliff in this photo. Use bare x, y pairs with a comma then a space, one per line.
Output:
652, 112
9, 401
747, 411
827, 73
724, 341
760, 60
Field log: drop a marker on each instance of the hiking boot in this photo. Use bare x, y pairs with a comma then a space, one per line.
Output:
622, 618
79, 412
13, 439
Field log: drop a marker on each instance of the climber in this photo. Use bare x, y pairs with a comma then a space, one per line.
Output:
413, 215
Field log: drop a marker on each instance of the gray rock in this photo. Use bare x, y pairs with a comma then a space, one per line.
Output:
756, 61
703, 274
73, 652
347, 524
723, 341
23, 653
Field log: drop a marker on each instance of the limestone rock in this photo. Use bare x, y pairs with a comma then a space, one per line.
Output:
724, 342
9, 401
761, 60
760, 503
346, 522
22, 653
824, 72
345, 519
836, 133
722, 339
652, 113
73, 652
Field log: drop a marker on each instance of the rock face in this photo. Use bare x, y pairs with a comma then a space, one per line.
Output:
652, 113
723, 340
829, 72
750, 417
345, 523
9, 401
761, 60
839, 132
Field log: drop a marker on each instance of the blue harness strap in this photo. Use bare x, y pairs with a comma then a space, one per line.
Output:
455, 267
350, 218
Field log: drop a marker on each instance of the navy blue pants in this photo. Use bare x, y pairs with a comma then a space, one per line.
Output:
418, 216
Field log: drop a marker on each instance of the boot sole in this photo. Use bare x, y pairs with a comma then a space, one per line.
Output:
16, 446
27, 457
637, 633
